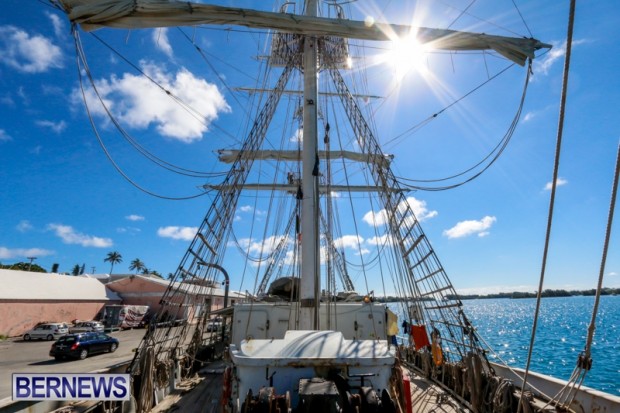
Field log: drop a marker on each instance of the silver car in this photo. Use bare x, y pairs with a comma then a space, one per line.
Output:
47, 331
87, 327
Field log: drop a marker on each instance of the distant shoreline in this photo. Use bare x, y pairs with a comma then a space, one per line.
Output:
518, 294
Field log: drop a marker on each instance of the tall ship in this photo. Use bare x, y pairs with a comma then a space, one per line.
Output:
313, 331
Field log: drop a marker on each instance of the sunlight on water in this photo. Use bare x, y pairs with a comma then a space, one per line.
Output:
506, 326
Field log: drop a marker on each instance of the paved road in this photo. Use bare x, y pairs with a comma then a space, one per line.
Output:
33, 357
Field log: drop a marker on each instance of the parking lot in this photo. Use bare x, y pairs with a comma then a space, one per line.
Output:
18, 356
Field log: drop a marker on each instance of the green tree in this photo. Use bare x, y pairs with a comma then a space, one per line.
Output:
76, 270
23, 266
136, 265
156, 273
113, 258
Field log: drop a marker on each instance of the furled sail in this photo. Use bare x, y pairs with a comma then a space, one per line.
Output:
134, 14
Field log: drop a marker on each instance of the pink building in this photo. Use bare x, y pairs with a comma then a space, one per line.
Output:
27, 298
148, 290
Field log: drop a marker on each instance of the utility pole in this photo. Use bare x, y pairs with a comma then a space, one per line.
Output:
31, 259
92, 270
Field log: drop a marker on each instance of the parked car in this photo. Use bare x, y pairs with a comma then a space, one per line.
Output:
86, 327
214, 325
47, 331
82, 345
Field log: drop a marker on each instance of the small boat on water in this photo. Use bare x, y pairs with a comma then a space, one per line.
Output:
310, 155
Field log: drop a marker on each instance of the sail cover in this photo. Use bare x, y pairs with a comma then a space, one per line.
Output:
134, 14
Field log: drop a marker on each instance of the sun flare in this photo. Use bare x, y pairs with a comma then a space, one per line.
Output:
404, 55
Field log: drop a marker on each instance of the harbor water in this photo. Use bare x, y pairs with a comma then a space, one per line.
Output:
506, 325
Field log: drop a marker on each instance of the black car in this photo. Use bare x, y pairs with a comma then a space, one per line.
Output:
82, 345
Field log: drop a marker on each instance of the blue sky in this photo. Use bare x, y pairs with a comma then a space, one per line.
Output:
63, 201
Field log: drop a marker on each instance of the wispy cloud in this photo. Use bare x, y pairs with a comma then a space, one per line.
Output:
265, 246
174, 232
59, 26
28, 53
558, 182
4, 137
542, 66
386, 239
529, 116
298, 136
10, 253
69, 235
249, 208
160, 38
134, 217
55, 127
349, 241
24, 226
418, 207
140, 104
467, 228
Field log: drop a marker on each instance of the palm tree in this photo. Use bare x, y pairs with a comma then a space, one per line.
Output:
113, 258
136, 265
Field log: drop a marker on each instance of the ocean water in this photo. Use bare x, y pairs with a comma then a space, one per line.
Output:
506, 325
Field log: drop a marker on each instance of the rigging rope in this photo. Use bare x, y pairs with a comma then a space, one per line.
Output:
556, 165
80, 57
496, 151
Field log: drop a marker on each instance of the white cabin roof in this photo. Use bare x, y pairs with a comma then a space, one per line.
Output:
25, 285
313, 348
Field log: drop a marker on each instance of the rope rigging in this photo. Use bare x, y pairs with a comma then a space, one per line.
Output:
491, 157
82, 64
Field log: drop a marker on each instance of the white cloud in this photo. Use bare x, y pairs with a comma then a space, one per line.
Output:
139, 103
298, 136
10, 253
58, 24
466, 228
381, 240
134, 217
68, 235
56, 127
246, 208
529, 116
24, 226
261, 247
559, 182
376, 219
4, 137
349, 241
26, 53
542, 66
418, 207
182, 233
363, 251
160, 38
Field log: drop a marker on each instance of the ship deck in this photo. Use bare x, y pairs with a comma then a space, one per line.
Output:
202, 394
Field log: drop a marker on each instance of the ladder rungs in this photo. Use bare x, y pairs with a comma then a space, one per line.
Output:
439, 307
429, 275
204, 241
415, 244
422, 260
447, 287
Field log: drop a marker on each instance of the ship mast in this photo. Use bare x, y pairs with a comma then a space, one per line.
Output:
310, 284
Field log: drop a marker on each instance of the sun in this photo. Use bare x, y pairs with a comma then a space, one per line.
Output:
404, 55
